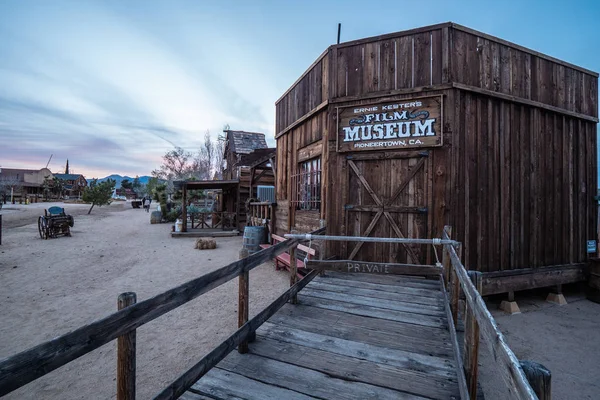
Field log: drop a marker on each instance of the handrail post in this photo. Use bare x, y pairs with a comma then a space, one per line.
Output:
539, 377
126, 354
243, 300
446, 257
293, 273
471, 349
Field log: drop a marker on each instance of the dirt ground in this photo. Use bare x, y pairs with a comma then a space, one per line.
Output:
49, 287
565, 339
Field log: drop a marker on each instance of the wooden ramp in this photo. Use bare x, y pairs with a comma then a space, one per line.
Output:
351, 336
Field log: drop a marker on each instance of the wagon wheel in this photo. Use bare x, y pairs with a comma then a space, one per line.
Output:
43, 227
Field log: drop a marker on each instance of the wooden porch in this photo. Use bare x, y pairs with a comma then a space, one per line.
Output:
350, 336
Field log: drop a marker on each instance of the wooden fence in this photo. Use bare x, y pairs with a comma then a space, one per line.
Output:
20, 369
519, 376
213, 220
262, 214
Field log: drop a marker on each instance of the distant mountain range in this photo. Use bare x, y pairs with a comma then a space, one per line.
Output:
118, 178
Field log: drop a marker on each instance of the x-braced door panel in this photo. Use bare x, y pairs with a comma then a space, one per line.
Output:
387, 197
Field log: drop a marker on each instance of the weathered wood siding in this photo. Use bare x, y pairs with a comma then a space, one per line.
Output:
523, 182
408, 61
517, 174
304, 95
490, 63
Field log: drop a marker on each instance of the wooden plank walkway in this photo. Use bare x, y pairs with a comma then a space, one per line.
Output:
351, 336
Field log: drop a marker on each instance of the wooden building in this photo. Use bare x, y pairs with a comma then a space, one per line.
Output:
401, 134
73, 184
243, 150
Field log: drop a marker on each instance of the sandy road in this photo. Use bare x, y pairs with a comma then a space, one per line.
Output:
49, 287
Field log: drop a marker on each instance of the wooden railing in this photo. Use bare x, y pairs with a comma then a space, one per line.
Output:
519, 376
213, 220
20, 369
261, 214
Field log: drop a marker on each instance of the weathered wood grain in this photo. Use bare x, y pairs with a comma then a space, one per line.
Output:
375, 312
343, 319
222, 384
181, 384
303, 380
429, 341
387, 280
374, 268
323, 284
126, 357
405, 287
336, 365
432, 310
512, 281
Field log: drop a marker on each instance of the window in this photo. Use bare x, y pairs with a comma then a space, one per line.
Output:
307, 185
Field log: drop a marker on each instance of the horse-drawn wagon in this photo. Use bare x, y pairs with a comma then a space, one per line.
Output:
55, 222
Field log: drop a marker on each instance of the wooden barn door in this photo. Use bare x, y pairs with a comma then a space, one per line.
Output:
388, 196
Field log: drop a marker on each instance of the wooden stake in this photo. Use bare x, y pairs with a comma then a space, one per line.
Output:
539, 377
293, 273
126, 354
244, 288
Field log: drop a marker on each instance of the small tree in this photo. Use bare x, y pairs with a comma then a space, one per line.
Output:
125, 184
99, 194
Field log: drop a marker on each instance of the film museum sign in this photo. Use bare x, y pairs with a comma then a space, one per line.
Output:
398, 124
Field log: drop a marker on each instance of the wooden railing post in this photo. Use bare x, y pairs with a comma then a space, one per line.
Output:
471, 349
126, 354
539, 377
243, 301
293, 273
446, 257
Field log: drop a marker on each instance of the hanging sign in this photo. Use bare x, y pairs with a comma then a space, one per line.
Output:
400, 124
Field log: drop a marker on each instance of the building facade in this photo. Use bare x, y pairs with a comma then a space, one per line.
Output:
402, 134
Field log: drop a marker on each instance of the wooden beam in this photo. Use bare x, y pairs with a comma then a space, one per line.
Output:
311, 151
531, 278
387, 155
520, 100
262, 173
391, 95
460, 372
24, 367
185, 381
374, 268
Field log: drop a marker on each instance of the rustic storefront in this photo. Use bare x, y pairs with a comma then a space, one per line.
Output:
399, 135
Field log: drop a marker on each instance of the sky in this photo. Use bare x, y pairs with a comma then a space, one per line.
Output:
113, 85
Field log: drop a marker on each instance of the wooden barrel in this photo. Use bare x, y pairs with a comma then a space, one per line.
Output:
253, 237
155, 217
593, 286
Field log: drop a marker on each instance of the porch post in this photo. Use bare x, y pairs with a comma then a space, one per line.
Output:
184, 208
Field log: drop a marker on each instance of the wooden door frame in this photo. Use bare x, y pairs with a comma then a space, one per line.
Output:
424, 163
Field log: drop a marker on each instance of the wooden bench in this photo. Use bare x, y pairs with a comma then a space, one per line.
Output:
283, 260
